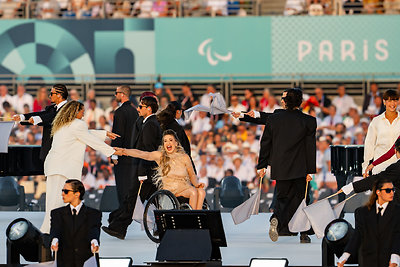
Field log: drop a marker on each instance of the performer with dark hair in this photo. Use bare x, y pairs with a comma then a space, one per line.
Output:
66, 156
377, 230
75, 228
168, 120
146, 137
124, 120
58, 96
288, 145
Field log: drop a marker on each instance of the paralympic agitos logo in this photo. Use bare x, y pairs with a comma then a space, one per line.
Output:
213, 58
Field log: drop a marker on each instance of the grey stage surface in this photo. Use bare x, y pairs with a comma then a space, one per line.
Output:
245, 241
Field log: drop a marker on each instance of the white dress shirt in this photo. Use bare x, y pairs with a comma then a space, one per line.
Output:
380, 138
19, 102
394, 258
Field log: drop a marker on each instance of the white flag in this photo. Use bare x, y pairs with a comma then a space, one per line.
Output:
5, 130
91, 262
41, 264
299, 221
250, 207
320, 214
338, 208
138, 214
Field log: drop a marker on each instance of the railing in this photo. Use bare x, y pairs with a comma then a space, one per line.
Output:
84, 9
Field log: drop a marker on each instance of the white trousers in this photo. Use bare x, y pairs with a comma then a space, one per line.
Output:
54, 185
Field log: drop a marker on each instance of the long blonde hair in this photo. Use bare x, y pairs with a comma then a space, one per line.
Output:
66, 115
164, 166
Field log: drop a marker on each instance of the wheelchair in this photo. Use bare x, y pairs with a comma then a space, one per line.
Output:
163, 200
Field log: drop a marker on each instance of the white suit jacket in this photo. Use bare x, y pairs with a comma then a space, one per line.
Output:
67, 151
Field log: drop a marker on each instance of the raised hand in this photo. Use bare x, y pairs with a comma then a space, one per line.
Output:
112, 136
251, 114
16, 118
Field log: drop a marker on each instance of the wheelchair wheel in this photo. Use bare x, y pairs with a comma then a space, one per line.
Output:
160, 200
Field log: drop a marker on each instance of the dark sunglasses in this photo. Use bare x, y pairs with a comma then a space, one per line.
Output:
66, 191
116, 93
388, 190
53, 93
142, 106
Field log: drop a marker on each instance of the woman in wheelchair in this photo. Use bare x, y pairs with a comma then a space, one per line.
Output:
175, 171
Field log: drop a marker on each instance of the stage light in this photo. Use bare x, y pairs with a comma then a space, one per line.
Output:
268, 262
115, 261
23, 238
10, 192
337, 234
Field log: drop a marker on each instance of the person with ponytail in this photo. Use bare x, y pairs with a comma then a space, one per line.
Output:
65, 158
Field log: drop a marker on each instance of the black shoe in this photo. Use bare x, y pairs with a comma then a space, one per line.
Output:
304, 238
113, 233
287, 234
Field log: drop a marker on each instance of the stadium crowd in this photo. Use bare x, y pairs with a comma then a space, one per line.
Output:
52, 9
221, 145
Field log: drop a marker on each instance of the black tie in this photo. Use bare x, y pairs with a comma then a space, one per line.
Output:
73, 218
379, 215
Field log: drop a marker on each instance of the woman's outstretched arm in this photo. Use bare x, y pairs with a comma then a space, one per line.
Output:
135, 153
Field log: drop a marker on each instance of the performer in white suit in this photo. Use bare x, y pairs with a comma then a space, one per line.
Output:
65, 159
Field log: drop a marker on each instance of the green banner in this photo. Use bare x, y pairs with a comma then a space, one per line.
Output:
213, 45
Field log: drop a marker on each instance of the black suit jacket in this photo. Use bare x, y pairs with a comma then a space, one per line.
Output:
124, 120
288, 145
74, 243
146, 137
377, 241
47, 116
392, 172
261, 120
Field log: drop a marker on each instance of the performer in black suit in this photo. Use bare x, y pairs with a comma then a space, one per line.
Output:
124, 120
377, 230
58, 96
146, 137
392, 172
75, 228
168, 120
288, 145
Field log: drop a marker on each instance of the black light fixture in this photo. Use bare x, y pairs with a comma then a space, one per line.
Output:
23, 238
337, 234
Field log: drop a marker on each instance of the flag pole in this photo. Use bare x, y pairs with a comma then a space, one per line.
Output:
305, 195
335, 194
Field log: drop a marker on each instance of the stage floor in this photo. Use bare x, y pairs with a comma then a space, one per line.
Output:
245, 241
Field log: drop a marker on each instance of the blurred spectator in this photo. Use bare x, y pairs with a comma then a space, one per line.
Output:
352, 7
377, 109
330, 121
74, 95
93, 113
369, 102
4, 96
371, 6
42, 100
323, 100
205, 99
30, 139
233, 7
159, 9
324, 176
217, 8
253, 104
236, 107
272, 105
9, 9
113, 106
343, 102
264, 98
88, 179
106, 178
90, 95
103, 124
294, 7
20, 99
186, 99
241, 171
248, 93
391, 6
252, 141
315, 8
142, 8
201, 124
122, 9
353, 121
8, 112
21, 133
48, 9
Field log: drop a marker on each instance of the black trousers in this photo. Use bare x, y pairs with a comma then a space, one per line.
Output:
120, 219
289, 194
123, 180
